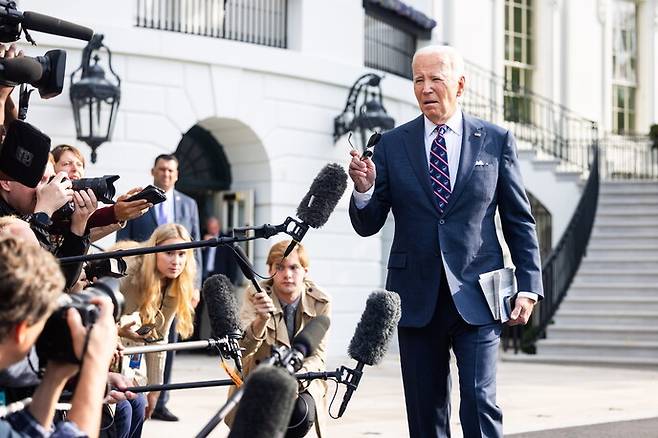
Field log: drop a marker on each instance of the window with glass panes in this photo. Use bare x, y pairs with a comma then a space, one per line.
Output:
624, 67
518, 60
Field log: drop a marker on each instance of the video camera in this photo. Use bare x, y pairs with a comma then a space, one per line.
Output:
46, 73
54, 342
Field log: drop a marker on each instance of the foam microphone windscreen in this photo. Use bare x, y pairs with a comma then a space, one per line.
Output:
266, 405
378, 322
321, 199
24, 154
308, 340
222, 305
22, 69
55, 26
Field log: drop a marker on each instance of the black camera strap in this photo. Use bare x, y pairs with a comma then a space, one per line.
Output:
24, 101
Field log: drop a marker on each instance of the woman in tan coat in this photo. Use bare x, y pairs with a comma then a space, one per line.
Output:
159, 287
288, 302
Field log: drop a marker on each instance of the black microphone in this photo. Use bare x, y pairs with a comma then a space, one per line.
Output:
223, 312
303, 345
321, 199
47, 24
24, 154
245, 266
370, 341
267, 404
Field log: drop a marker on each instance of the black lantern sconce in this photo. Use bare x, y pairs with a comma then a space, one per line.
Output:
364, 110
95, 99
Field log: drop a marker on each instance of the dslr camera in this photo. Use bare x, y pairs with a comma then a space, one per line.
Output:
103, 188
54, 342
115, 268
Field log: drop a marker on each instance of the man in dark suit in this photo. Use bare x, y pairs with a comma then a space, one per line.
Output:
215, 260
220, 259
180, 209
443, 175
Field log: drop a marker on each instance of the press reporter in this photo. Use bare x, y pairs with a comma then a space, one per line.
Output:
37, 205
274, 316
108, 219
30, 284
158, 287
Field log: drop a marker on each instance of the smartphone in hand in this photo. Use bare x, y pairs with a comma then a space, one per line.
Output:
151, 193
145, 329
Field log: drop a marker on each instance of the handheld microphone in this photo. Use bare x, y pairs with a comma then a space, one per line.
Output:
371, 337
303, 345
223, 311
321, 199
290, 359
267, 404
245, 266
55, 26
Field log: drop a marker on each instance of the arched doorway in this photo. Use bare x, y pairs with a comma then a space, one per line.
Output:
203, 169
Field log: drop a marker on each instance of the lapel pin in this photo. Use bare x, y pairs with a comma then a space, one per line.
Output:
477, 134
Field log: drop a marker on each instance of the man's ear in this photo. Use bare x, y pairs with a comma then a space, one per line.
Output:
5, 185
19, 332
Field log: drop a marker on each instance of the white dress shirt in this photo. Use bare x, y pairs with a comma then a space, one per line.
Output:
168, 207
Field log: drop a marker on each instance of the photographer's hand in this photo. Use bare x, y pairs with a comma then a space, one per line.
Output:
92, 382
7, 108
118, 381
85, 204
53, 195
124, 211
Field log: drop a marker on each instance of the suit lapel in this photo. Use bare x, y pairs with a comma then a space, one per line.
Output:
472, 141
414, 144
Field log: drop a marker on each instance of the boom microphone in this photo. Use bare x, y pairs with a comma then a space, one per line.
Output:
223, 313
267, 404
321, 199
371, 338
47, 24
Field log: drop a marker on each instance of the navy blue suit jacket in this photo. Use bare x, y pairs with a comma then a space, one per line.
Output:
462, 241
186, 213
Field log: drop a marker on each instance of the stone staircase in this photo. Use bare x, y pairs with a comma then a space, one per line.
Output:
610, 314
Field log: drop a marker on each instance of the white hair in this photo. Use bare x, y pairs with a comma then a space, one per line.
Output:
448, 54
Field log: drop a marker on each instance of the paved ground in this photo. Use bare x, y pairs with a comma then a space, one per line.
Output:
534, 397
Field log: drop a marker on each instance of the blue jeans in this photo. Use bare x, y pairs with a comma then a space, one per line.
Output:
129, 417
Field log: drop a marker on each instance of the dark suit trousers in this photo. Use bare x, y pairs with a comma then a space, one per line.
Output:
425, 357
169, 362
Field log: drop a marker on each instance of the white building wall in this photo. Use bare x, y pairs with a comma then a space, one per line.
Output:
273, 109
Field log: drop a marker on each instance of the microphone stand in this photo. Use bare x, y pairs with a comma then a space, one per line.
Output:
323, 375
227, 346
293, 227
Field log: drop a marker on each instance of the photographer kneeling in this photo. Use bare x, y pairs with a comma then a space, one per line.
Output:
30, 284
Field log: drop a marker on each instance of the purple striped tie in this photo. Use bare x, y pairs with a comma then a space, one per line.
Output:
439, 172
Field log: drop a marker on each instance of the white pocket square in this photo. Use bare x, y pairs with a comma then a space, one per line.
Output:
481, 163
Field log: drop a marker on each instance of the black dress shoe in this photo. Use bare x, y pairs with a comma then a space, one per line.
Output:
163, 414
